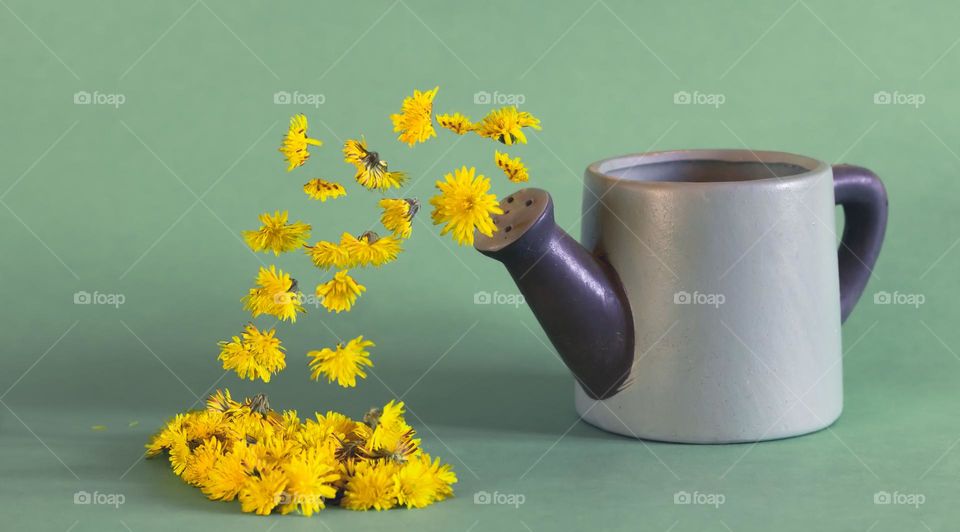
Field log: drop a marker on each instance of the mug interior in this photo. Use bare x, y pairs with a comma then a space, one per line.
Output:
707, 166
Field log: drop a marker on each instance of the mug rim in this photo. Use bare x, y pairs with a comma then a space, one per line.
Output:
811, 167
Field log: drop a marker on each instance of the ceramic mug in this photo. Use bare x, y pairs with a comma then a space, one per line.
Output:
704, 304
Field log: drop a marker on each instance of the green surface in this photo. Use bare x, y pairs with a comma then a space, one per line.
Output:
147, 200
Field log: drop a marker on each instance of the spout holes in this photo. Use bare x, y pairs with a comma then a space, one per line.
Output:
506, 212
507, 228
529, 202
510, 199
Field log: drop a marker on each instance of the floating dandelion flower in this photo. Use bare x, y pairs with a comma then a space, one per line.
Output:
275, 294
506, 125
326, 255
320, 189
276, 235
342, 364
464, 205
456, 122
257, 355
414, 123
339, 293
372, 172
397, 216
514, 168
295, 142
369, 249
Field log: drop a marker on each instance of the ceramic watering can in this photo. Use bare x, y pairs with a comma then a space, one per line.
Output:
704, 302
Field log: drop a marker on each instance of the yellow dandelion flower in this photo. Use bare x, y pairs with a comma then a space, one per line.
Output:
514, 168
203, 424
371, 486
202, 460
171, 433
456, 122
372, 172
228, 475
179, 457
320, 189
444, 478
505, 125
295, 142
343, 364
262, 493
398, 215
326, 255
340, 293
220, 401
276, 235
258, 355
420, 482
391, 437
370, 249
275, 294
310, 478
414, 122
464, 205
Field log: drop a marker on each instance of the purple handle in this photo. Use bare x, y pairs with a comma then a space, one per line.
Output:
864, 200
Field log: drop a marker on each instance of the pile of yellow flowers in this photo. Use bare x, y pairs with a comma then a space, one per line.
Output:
273, 462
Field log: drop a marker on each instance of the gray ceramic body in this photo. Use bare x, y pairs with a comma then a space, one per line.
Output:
732, 279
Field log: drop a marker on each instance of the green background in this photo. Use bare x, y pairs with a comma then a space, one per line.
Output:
147, 200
